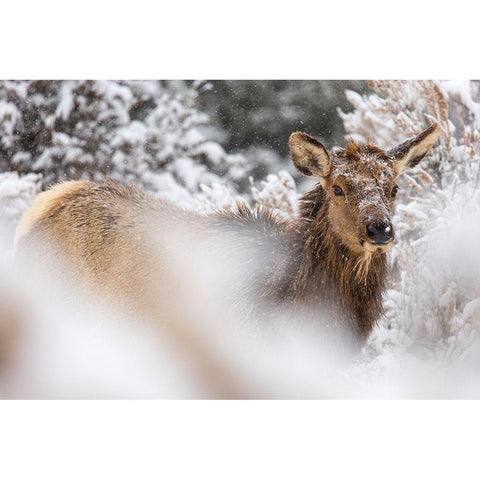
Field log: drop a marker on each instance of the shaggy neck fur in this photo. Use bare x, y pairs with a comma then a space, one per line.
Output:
349, 285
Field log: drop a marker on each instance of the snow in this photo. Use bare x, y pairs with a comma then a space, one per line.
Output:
278, 192
429, 320
16, 195
427, 344
212, 150
66, 102
9, 117
65, 348
215, 197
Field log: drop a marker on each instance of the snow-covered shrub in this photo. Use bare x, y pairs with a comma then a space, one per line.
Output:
16, 195
278, 192
130, 131
435, 287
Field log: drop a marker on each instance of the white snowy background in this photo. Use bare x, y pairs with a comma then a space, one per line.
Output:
428, 344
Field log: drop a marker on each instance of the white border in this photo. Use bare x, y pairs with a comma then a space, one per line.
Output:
369, 39
246, 40
239, 440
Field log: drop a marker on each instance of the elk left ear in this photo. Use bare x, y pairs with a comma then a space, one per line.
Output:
409, 153
309, 156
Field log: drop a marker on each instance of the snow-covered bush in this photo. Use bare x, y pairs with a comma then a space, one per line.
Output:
130, 131
16, 195
278, 193
432, 305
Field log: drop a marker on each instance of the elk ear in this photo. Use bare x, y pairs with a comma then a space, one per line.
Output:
309, 156
409, 153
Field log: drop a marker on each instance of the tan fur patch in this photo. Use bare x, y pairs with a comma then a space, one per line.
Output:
43, 203
372, 248
364, 261
363, 266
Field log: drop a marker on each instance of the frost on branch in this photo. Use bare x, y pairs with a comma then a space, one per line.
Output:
278, 193
16, 195
215, 197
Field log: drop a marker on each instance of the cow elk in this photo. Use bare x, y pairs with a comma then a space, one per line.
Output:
328, 264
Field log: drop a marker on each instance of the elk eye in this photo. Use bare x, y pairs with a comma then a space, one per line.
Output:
394, 191
338, 191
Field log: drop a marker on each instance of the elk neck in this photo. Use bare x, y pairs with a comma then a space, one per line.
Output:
353, 282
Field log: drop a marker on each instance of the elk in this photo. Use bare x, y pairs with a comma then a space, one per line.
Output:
331, 258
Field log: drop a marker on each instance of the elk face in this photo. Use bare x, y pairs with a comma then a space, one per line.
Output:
359, 182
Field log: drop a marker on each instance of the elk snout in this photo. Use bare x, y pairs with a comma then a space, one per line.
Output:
380, 232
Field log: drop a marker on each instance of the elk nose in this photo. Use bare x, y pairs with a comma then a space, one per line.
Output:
380, 232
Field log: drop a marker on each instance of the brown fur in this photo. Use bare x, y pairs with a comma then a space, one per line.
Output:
350, 284
43, 203
98, 234
320, 262
101, 229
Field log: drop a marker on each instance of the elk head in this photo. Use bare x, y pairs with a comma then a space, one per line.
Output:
359, 183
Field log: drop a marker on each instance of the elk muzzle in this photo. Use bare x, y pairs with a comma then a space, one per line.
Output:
378, 236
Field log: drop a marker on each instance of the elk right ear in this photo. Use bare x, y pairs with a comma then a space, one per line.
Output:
309, 156
409, 153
